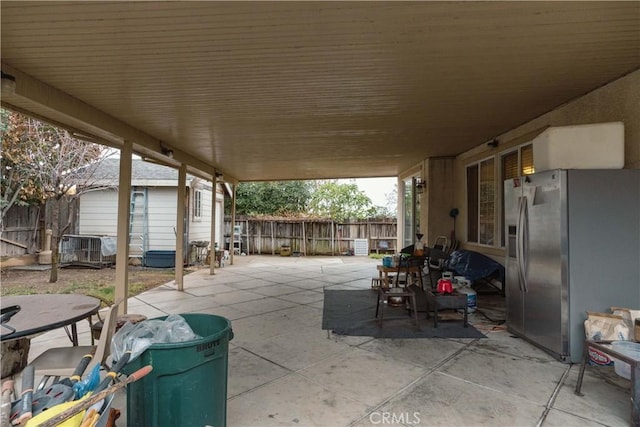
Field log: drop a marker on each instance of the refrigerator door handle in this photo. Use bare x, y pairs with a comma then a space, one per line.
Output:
525, 244
519, 244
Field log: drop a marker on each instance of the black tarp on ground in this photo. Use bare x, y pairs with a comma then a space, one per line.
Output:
352, 312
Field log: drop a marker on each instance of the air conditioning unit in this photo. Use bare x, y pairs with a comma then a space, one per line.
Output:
361, 247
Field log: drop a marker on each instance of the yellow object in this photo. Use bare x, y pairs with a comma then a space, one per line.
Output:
91, 418
74, 421
285, 250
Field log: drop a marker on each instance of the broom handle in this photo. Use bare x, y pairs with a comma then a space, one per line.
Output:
95, 398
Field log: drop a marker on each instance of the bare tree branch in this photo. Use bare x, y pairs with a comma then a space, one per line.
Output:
40, 162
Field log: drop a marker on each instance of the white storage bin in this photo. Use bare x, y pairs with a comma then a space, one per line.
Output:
628, 348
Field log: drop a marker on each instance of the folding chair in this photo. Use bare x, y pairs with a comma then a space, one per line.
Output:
60, 362
437, 255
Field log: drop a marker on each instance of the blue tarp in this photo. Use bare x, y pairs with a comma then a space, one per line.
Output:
474, 266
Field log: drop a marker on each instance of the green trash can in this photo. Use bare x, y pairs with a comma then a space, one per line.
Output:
188, 383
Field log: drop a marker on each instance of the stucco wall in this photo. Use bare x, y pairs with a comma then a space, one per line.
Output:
438, 199
617, 101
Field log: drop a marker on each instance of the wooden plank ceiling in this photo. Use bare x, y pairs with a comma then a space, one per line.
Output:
305, 90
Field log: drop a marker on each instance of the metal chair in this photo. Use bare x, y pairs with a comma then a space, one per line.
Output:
438, 254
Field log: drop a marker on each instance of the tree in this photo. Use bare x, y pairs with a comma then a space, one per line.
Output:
18, 185
392, 200
382, 212
328, 199
340, 202
41, 162
272, 198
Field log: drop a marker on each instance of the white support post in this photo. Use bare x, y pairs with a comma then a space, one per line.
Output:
214, 202
123, 238
401, 215
180, 228
233, 224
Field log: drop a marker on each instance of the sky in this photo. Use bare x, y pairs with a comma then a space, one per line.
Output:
377, 188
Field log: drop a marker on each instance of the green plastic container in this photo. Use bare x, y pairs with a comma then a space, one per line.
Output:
188, 383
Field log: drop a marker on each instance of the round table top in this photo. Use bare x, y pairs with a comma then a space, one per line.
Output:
44, 312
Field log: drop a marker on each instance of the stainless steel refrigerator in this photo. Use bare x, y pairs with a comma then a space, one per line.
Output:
572, 246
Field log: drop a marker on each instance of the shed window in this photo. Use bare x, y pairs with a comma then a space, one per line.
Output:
197, 204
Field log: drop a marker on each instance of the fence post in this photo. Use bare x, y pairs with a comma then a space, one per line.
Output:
259, 236
248, 246
273, 242
304, 240
333, 236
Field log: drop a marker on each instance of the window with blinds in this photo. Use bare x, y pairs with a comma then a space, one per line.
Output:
518, 163
510, 165
484, 191
472, 203
487, 202
526, 160
481, 202
514, 164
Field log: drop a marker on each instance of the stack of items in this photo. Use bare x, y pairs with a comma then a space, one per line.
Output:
622, 328
81, 402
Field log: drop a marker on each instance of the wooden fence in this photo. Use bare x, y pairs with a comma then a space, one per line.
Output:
23, 233
310, 237
23, 227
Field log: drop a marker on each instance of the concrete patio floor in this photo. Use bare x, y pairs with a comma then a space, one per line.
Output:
284, 370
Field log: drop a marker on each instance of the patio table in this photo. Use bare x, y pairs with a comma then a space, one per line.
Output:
45, 312
383, 272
